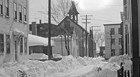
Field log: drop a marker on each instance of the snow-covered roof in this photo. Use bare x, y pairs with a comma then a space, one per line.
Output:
37, 40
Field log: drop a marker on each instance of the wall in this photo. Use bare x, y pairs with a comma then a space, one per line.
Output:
59, 47
7, 26
127, 27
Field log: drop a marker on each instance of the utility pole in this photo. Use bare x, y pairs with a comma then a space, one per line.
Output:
49, 33
135, 38
86, 22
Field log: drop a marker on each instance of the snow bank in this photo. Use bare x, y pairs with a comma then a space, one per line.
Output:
124, 59
57, 55
68, 66
37, 56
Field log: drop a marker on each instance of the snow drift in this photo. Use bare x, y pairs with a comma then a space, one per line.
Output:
68, 66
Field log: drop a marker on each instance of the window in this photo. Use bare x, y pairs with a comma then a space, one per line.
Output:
120, 41
121, 52
20, 12
7, 7
15, 11
8, 44
25, 45
112, 52
1, 44
25, 14
124, 2
21, 45
125, 12
112, 31
30, 27
119, 31
113, 41
1, 7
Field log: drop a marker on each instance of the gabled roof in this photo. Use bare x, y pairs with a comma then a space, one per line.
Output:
73, 9
72, 21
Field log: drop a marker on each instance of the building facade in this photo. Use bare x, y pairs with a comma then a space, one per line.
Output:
127, 26
13, 30
131, 19
59, 47
41, 29
113, 39
79, 33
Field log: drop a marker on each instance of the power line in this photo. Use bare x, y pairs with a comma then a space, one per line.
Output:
116, 5
103, 20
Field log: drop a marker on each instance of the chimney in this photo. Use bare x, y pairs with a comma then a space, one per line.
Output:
34, 28
40, 21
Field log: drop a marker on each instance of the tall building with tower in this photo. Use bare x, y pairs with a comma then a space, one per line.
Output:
73, 13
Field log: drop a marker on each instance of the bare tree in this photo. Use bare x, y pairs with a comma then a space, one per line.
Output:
99, 38
60, 9
67, 32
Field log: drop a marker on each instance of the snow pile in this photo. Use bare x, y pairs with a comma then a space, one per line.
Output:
57, 55
68, 66
124, 59
38, 56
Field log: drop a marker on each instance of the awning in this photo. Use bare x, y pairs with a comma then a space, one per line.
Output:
37, 41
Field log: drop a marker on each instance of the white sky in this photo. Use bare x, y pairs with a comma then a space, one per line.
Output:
103, 11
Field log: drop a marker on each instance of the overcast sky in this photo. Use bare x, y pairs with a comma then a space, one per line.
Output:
103, 11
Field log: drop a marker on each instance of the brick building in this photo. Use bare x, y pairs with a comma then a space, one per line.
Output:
113, 40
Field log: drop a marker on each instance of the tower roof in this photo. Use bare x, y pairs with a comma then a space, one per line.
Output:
73, 10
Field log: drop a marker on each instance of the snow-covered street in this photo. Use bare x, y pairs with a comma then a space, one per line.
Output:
67, 67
